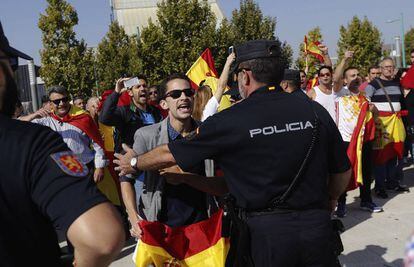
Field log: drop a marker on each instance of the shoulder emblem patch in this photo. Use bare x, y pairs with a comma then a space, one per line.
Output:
70, 164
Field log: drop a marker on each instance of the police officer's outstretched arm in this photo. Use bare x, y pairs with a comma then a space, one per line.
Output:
62, 192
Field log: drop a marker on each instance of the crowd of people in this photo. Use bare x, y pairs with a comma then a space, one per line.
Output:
168, 138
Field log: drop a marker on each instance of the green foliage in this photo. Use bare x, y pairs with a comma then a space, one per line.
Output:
65, 60
115, 55
185, 28
409, 45
313, 35
362, 37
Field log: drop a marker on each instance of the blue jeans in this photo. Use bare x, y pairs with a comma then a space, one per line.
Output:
388, 175
138, 185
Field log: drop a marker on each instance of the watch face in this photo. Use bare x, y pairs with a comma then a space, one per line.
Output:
133, 162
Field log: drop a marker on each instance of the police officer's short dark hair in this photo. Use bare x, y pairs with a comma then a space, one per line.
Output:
163, 85
325, 67
10, 96
57, 89
265, 70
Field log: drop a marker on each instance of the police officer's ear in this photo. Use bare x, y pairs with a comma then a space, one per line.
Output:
246, 77
284, 85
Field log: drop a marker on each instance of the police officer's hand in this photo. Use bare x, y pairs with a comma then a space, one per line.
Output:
98, 175
124, 161
173, 175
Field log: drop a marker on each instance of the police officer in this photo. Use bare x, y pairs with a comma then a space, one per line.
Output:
43, 186
283, 160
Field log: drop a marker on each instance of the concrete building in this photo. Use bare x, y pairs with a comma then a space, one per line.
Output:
133, 15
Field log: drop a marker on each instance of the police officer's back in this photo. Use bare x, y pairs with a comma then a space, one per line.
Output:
42, 186
261, 144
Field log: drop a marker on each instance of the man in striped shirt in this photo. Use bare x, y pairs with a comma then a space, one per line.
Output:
77, 140
388, 174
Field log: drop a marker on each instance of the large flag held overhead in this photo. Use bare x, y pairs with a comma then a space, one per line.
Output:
202, 68
389, 136
313, 49
196, 245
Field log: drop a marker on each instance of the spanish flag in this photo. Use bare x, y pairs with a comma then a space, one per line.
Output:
313, 49
196, 245
82, 120
363, 132
212, 82
202, 68
389, 136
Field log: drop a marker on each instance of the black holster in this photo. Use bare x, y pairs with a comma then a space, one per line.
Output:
239, 254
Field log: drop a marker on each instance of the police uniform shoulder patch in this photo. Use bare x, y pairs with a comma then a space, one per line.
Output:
70, 164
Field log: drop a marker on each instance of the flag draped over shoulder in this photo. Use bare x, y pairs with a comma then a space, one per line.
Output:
363, 132
202, 68
389, 136
197, 245
82, 120
313, 49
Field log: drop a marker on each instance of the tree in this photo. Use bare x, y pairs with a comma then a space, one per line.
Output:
364, 39
65, 60
185, 28
248, 23
114, 57
313, 35
409, 45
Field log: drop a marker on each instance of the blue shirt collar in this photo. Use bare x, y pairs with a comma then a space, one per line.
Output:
173, 134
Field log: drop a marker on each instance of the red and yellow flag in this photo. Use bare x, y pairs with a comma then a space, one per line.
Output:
313, 49
196, 245
202, 68
363, 132
79, 118
389, 136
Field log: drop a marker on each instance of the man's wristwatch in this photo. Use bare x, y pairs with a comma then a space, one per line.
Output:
134, 162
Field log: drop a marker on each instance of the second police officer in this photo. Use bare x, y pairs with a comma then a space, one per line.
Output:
283, 160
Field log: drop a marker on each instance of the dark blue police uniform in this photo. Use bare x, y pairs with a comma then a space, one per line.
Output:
260, 144
42, 187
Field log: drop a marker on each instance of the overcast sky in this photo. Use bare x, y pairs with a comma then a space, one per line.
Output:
294, 19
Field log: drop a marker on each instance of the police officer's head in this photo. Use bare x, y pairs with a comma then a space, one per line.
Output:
177, 96
8, 63
59, 100
258, 63
291, 80
9, 96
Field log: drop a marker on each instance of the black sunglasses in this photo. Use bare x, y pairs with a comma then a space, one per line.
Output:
188, 92
57, 101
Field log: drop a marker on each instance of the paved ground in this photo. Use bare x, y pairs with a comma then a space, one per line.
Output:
370, 239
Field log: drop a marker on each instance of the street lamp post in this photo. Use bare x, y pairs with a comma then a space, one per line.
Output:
403, 41
401, 19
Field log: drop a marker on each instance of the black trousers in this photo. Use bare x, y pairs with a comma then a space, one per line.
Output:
367, 167
302, 239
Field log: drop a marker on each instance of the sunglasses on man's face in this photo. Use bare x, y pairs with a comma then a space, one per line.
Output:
57, 101
174, 94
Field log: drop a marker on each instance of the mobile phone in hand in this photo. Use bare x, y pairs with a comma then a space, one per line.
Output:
231, 49
131, 82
